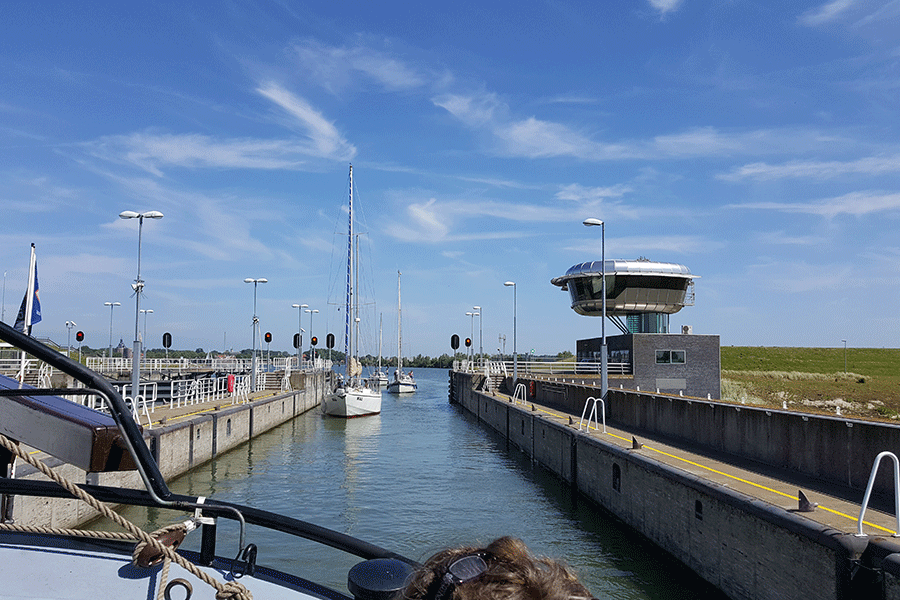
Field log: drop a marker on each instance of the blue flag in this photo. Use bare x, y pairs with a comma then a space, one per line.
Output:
32, 299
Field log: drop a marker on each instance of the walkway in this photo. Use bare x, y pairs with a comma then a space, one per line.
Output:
833, 510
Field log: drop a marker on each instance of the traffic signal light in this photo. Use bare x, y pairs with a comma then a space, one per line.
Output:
268, 337
454, 341
79, 336
329, 340
167, 340
296, 340
468, 342
314, 340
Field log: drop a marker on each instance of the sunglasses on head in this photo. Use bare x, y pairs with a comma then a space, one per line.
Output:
460, 571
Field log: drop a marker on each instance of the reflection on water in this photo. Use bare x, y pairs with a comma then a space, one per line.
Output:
420, 476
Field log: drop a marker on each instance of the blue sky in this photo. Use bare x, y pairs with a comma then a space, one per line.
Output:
754, 142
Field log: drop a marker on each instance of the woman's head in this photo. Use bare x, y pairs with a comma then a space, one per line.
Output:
509, 571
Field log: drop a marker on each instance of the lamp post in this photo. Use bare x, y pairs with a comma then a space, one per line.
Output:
138, 287
299, 308
312, 348
255, 330
69, 326
111, 305
480, 322
145, 311
845, 355
604, 366
512, 284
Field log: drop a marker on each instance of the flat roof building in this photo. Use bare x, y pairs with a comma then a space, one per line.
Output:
641, 295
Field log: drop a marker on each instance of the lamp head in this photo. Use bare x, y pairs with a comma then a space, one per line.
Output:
153, 214
510, 284
128, 214
592, 221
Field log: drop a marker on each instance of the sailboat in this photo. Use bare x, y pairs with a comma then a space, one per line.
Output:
402, 383
379, 377
352, 397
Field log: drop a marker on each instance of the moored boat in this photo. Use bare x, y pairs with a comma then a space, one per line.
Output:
352, 397
403, 383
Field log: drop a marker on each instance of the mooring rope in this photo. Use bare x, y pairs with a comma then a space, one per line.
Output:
231, 590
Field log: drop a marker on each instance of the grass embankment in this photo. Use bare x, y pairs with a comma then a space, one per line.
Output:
814, 379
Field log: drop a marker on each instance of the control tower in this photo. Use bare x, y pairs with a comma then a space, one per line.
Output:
641, 295
641, 291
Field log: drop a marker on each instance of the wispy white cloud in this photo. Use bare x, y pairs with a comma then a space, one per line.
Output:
536, 138
327, 141
826, 13
579, 193
854, 204
665, 6
152, 151
338, 68
873, 165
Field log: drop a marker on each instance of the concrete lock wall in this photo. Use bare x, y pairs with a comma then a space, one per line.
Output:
743, 546
835, 449
177, 447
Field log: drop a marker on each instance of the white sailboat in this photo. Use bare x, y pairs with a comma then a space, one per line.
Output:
402, 383
380, 376
352, 397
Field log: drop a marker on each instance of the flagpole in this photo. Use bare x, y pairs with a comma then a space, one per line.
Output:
29, 305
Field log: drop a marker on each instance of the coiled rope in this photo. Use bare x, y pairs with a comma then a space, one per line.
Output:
231, 590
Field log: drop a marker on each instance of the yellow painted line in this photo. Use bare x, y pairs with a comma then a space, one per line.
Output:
729, 476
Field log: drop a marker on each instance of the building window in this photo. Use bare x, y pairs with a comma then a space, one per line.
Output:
670, 357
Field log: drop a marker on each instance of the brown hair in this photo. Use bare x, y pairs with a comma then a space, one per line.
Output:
513, 573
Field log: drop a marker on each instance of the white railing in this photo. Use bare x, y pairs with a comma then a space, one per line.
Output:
536, 367
865, 502
520, 393
593, 414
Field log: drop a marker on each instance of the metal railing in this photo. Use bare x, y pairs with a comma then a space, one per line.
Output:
520, 387
871, 484
537, 367
593, 414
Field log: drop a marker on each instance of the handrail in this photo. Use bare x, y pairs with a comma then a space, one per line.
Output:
593, 413
520, 387
865, 502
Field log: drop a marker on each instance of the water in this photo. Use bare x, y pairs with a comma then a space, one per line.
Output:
421, 476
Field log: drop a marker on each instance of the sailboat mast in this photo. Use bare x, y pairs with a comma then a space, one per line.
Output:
399, 334
347, 344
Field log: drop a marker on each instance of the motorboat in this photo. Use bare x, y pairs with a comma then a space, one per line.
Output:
42, 562
353, 396
402, 383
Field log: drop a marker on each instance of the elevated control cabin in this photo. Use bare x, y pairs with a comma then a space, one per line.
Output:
641, 295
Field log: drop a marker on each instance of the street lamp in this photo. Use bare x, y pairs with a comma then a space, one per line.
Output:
111, 305
144, 312
299, 308
70, 325
312, 348
255, 330
604, 373
138, 287
515, 354
480, 321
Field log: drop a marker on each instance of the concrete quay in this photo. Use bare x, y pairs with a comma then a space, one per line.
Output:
736, 522
180, 439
